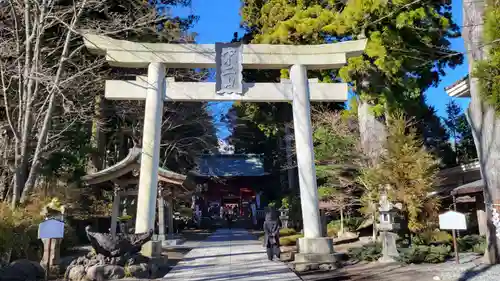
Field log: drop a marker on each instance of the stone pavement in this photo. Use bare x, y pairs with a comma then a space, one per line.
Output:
230, 255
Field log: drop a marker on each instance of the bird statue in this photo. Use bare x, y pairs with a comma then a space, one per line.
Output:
109, 246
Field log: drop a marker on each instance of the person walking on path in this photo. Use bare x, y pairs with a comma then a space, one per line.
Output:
272, 234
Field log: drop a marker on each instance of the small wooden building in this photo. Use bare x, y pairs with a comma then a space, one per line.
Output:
123, 178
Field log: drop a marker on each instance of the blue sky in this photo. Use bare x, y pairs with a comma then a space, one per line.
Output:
219, 19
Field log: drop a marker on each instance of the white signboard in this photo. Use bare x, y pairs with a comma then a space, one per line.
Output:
452, 220
51, 229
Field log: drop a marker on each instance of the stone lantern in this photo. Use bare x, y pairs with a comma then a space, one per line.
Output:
284, 217
386, 226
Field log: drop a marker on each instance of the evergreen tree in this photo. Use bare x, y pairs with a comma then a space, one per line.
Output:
466, 148
453, 112
407, 51
409, 172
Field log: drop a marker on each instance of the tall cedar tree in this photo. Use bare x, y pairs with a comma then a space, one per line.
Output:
407, 52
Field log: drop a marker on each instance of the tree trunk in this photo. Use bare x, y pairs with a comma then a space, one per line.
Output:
341, 221
484, 124
372, 132
374, 232
98, 136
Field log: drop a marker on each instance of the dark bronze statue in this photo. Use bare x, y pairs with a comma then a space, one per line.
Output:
109, 246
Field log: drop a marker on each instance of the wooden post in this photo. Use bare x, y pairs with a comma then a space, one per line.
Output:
115, 211
161, 213
47, 270
457, 259
171, 213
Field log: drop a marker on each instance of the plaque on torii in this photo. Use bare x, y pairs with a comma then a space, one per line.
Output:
229, 68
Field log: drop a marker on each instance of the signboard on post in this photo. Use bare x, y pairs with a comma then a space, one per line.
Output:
452, 220
51, 229
229, 76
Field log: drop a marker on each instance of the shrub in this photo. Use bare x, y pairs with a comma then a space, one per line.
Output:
290, 240
333, 228
332, 232
468, 242
369, 252
287, 232
432, 237
480, 248
19, 231
425, 254
353, 223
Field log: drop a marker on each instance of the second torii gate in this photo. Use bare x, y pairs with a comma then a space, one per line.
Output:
230, 60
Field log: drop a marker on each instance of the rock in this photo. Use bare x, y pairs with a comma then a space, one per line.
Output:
76, 273
95, 273
104, 272
287, 256
326, 267
139, 270
137, 259
302, 267
22, 270
114, 272
118, 261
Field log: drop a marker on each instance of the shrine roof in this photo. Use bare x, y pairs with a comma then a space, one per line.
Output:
468, 188
128, 164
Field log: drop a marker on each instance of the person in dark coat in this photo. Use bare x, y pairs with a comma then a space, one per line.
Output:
272, 234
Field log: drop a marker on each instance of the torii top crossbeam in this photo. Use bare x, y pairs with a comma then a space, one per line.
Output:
127, 54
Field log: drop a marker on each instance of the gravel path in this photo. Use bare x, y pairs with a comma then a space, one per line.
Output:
230, 254
470, 268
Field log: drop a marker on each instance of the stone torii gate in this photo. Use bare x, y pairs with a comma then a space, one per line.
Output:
230, 59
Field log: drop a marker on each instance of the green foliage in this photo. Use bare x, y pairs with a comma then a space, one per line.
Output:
333, 228
19, 231
406, 38
471, 243
351, 224
287, 232
338, 156
410, 173
432, 237
369, 252
408, 49
425, 254
488, 70
480, 248
290, 240
285, 203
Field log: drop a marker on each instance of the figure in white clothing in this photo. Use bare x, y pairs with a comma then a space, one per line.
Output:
254, 213
257, 199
